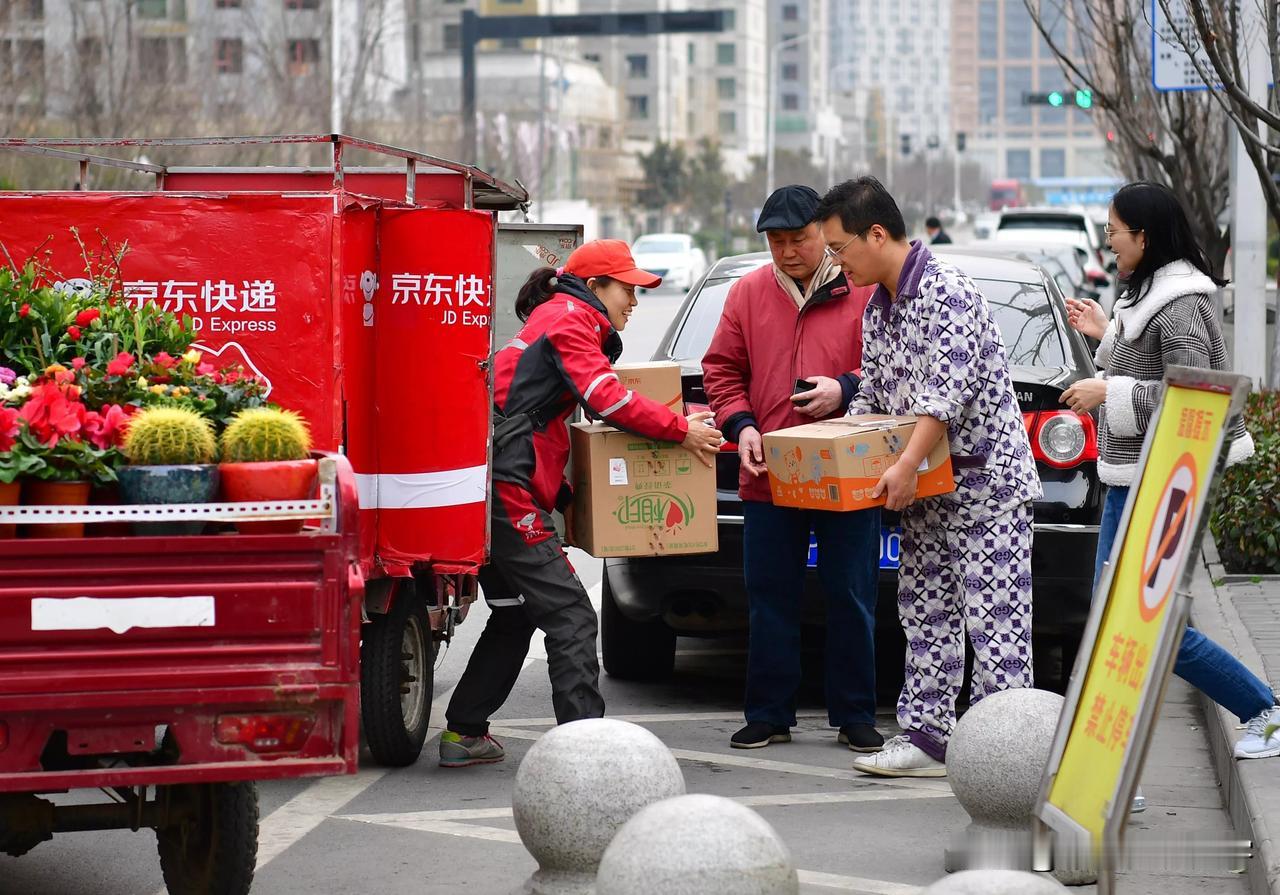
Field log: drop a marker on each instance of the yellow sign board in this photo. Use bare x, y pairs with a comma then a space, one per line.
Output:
1181, 459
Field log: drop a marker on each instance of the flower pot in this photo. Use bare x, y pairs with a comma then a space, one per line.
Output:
9, 492
168, 484
41, 493
270, 480
106, 496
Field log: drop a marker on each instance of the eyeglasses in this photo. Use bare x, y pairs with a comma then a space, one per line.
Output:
1110, 231
834, 254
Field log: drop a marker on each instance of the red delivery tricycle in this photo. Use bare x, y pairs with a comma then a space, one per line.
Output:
172, 672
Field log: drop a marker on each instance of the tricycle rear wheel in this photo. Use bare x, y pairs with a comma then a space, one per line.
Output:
212, 848
397, 675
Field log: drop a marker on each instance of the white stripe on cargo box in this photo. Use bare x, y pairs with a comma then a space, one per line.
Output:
120, 614
422, 490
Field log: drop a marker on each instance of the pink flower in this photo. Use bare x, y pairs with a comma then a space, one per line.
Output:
74, 332
77, 363
107, 427
165, 359
120, 364
206, 369
10, 423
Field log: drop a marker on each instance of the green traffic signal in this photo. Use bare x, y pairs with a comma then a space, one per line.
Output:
1055, 99
1084, 99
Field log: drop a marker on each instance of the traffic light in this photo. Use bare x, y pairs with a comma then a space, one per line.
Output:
1055, 99
1058, 98
1084, 99
960, 138
906, 144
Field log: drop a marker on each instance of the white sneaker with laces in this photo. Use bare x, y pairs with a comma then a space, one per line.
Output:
900, 758
1255, 743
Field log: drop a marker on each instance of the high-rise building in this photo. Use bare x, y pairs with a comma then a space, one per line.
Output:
999, 56
801, 48
891, 76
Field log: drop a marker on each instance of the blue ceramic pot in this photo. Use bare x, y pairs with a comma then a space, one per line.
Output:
168, 484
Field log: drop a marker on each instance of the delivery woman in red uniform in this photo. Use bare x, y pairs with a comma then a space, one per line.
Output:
560, 359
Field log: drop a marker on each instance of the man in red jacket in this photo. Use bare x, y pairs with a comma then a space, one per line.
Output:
796, 319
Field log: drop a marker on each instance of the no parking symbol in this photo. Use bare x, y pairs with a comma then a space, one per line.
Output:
1169, 537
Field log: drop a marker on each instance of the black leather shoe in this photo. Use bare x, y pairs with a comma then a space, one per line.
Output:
758, 734
861, 737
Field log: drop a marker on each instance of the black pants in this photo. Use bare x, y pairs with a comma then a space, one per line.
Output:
528, 586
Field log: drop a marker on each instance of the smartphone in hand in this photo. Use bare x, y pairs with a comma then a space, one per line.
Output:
803, 385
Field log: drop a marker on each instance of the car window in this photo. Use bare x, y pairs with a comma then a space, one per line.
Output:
655, 246
1022, 310
1031, 331
700, 323
1040, 222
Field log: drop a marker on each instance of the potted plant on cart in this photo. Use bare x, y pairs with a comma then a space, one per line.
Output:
15, 462
266, 456
171, 453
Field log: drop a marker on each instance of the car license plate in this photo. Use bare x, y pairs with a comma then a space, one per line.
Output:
890, 548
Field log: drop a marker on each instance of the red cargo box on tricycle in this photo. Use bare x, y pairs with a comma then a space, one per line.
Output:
174, 671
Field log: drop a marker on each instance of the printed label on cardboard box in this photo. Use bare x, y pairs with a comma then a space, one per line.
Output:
617, 471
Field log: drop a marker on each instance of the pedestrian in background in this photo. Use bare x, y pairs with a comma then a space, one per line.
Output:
786, 352
558, 361
932, 349
937, 236
1165, 316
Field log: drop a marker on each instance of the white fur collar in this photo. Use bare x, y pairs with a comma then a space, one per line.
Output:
1174, 280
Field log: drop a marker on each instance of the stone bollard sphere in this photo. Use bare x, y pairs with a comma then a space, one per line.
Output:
995, 882
577, 786
995, 761
998, 753
697, 845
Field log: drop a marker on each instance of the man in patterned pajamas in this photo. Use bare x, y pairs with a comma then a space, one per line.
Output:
931, 349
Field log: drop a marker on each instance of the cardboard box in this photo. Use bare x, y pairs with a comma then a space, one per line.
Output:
834, 464
659, 380
634, 497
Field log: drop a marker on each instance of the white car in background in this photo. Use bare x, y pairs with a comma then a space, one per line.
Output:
672, 256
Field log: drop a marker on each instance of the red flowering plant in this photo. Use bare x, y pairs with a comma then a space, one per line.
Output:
58, 438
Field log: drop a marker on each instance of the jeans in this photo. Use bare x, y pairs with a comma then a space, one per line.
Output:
1201, 663
775, 553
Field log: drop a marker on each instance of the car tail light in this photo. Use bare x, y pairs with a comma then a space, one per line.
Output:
728, 446
276, 732
1062, 438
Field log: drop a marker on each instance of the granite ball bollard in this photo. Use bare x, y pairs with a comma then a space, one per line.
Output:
697, 845
995, 762
995, 882
577, 786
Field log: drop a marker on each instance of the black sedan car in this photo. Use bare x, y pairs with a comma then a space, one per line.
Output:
648, 602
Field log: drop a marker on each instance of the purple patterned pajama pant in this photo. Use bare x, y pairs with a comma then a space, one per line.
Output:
961, 571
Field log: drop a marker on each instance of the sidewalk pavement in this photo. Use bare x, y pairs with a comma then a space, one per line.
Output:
1242, 613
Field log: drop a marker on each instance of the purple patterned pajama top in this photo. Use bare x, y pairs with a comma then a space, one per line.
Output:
936, 351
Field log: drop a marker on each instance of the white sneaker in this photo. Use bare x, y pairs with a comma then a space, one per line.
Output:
1255, 743
900, 758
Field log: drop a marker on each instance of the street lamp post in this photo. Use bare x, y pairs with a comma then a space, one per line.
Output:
771, 138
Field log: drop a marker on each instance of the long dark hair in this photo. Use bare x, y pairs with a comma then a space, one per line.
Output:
1156, 211
541, 285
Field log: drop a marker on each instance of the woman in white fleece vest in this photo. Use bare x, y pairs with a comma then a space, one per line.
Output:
1166, 316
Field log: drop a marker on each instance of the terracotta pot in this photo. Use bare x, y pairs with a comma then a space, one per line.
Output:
271, 480
9, 492
41, 493
168, 484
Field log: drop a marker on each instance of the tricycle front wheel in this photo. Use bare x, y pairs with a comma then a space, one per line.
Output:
397, 674
211, 848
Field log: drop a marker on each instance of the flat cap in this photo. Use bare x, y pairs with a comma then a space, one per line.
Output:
788, 208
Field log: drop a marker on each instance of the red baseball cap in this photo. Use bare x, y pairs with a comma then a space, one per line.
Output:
609, 258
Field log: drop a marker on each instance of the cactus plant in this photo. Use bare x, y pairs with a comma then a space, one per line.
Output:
265, 433
170, 436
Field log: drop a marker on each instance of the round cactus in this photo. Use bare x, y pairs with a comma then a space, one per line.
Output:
170, 436
265, 433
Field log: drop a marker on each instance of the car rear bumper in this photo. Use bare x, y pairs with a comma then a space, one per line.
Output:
704, 595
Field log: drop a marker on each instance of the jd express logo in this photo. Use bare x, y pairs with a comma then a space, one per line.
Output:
1169, 538
655, 508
